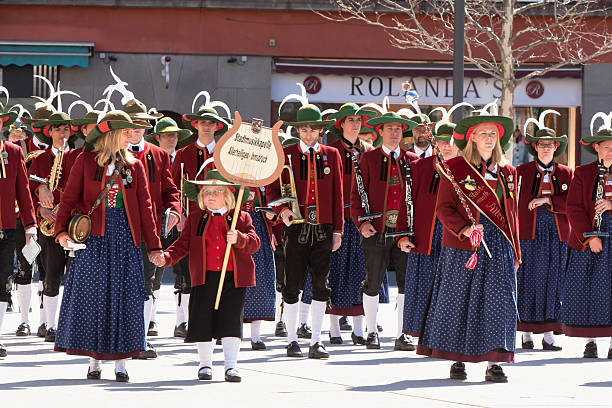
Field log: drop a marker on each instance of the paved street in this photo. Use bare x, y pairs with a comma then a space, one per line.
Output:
353, 376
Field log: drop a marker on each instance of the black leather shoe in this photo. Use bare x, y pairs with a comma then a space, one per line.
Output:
93, 375
590, 350
281, 330
457, 371
404, 343
181, 330
50, 336
317, 351
42, 330
258, 345
23, 330
550, 347
357, 340
372, 342
335, 340
526, 345
205, 373
152, 329
2, 350
121, 377
304, 332
231, 375
610, 354
148, 353
218, 342
344, 324
293, 349
495, 374
379, 328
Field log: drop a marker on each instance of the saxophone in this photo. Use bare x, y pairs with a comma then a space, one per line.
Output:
47, 228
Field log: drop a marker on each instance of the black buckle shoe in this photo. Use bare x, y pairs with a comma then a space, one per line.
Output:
344, 324
148, 353
218, 342
304, 331
550, 346
50, 336
526, 345
495, 374
205, 373
457, 371
42, 330
379, 328
610, 354
357, 340
2, 350
335, 340
181, 330
231, 375
121, 377
281, 329
258, 345
152, 329
372, 342
404, 343
293, 349
317, 351
23, 330
93, 375
590, 350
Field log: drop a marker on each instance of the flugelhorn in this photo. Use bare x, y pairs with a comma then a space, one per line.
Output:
288, 193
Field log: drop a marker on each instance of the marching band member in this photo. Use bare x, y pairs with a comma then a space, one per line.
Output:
110, 184
421, 147
543, 228
14, 187
309, 243
471, 315
382, 174
205, 237
587, 301
422, 259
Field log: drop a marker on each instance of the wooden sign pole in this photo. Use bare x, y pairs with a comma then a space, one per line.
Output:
229, 247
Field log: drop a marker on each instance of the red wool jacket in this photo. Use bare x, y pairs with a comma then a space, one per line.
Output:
14, 187
193, 156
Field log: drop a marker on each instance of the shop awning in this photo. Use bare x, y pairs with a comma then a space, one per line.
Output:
394, 68
66, 54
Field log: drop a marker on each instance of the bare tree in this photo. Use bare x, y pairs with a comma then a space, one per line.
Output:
500, 36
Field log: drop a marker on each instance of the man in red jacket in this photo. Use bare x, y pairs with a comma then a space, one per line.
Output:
164, 197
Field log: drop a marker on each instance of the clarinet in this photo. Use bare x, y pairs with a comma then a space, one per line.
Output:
599, 194
365, 202
409, 206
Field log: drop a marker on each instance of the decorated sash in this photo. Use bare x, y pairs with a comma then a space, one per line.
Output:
480, 194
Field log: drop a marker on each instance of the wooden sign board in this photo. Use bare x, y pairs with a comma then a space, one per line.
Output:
250, 154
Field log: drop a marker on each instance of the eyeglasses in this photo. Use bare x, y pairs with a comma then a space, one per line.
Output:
212, 192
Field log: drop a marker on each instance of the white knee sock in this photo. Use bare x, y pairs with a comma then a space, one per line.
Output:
358, 325
370, 308
527, 336
148, 308
279, 307
51, 309
291, 313
185, 306
610, 343
3, 306
120, 366
318, 312
334, 325
41, 305
24, 297
231, 347
154, 307
399, 305
180, 316
94, 365
255, 330
549, 338
205, 353
304, 309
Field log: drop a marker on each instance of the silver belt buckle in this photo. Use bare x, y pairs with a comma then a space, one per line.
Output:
311, 214
391, 218
1, 234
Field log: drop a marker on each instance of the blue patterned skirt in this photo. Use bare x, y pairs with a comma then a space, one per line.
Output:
102, 308
540, 276
587, 298
420, 270
471, 316
260, 299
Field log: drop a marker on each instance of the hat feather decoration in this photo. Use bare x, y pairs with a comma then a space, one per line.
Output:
20, 112
383, 108
302, 98
607, 121
108, 105
446, 115
541, 122
206, 163
79, 102
53, 93
490, 109
208, 103
119, 86
17, 109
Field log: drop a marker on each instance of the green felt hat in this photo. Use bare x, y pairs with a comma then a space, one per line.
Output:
444, 132
602, 135
288, 140
212, 178
391, 117
113, 120
464, 129
351, 109
42, 127
206, 114
7, 118
168, 125
41, 113
90, 118
545, 134
309, 115
138, 111
420, 119
334, 134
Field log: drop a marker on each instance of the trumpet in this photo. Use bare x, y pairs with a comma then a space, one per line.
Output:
289, 193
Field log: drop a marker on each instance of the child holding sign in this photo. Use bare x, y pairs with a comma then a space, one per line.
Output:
205, 237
